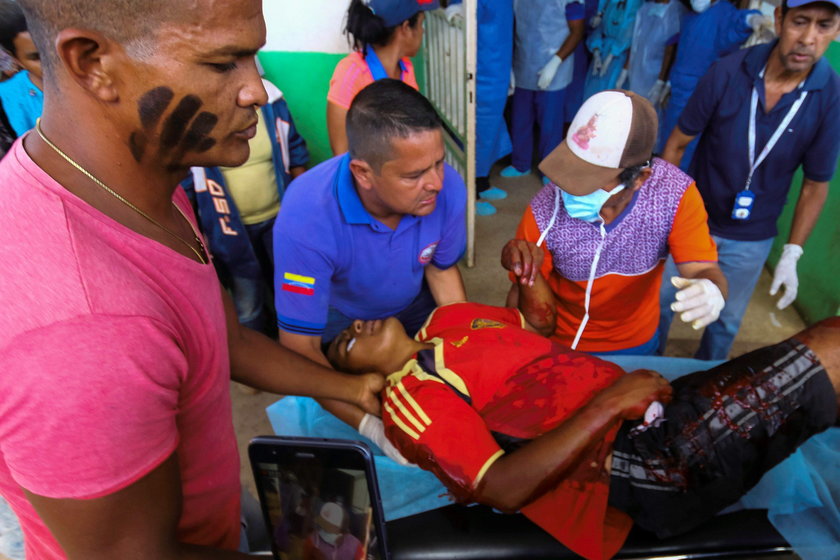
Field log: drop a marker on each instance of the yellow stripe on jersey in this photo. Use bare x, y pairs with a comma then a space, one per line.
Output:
447, 374
398, 421
395, 377
414, 404
489, 463
411, 368
421, 334
522, 321
394, 399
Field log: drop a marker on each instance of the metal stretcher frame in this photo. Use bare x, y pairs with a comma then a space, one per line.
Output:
478, 533
450, 64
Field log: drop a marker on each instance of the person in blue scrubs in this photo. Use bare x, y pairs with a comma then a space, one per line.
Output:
21, 95
495, 57
372, 233
547, 34
763, 112
574, 92
609, 44
707, 34
654, 40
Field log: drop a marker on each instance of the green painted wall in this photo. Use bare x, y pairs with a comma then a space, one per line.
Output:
819, 267
304, 79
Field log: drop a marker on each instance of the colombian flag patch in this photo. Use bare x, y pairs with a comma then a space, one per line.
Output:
298, 284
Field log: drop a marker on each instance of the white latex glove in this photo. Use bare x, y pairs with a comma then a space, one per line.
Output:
606, 65
655, 93
699, 301
622, 77
757, 21
372, 428
596, 62
595, 21
654, 416
455, 11
548, 72
785, 274
512, 85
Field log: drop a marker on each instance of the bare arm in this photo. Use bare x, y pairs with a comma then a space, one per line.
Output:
576, 31
536, 304
258, 361
807, 211
532, 294
296, 171
708, 270
310, 346
135, 523
516, 479
667, 62
446, 285
676, 145
336, 117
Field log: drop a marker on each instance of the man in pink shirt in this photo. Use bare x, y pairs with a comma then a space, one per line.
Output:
116, 436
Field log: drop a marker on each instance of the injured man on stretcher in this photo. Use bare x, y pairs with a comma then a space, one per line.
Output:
507, 418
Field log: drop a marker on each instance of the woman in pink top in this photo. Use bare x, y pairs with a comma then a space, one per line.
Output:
385, 33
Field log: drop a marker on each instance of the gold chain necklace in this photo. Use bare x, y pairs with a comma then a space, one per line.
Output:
201, 256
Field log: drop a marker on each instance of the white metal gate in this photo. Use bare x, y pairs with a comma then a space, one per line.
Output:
450, 55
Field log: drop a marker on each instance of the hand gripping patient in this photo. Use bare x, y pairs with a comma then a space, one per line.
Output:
510, 419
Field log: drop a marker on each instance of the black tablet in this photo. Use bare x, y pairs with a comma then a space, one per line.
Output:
319, 498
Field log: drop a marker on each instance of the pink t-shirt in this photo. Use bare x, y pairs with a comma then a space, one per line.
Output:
113, 357
352, 74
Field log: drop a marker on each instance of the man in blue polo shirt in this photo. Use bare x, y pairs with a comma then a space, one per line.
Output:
371, 233
763, 112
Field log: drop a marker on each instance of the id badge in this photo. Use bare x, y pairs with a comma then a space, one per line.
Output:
743, 205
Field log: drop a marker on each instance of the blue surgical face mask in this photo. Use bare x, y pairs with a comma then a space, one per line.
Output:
587, 207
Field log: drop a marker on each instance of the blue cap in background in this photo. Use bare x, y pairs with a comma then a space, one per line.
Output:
394, 12
798, 3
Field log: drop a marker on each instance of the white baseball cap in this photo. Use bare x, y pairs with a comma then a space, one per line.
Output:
613, 130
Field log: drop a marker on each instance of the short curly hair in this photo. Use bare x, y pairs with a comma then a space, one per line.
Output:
132, 23
12, 24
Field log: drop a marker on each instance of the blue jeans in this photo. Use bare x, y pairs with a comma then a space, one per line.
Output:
741, 263
254, 297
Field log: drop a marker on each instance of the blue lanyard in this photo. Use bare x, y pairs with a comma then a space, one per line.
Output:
375, 66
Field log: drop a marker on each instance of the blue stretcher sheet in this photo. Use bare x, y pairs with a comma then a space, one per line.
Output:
802, 493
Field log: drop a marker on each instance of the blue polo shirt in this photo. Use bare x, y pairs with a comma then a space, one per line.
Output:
720, 110
330, 252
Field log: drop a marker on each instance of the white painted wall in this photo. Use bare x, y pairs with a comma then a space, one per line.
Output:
306, 25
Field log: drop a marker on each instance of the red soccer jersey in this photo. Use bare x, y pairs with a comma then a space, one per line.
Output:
488, 375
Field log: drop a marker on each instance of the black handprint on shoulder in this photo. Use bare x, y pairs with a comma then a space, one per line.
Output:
185, 129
